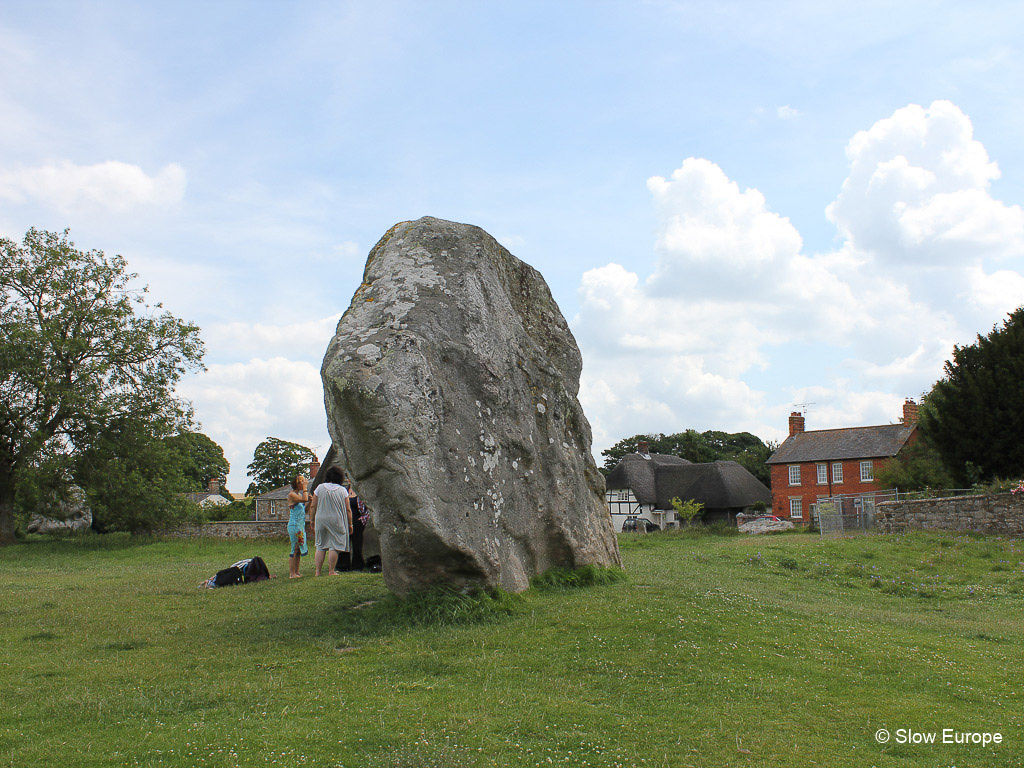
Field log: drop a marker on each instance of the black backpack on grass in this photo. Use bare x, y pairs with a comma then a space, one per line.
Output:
255, 570
242, 572
228, 577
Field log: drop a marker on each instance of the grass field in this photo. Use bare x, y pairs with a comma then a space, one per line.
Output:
713, 651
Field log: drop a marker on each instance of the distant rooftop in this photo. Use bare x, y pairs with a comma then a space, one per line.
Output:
849, 443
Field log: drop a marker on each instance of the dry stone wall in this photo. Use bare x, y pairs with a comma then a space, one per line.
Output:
240, 529
995, 513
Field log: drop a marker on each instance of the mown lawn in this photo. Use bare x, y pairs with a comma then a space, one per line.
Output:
715, 651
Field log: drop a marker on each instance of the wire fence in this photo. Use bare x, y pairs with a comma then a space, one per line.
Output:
838, 515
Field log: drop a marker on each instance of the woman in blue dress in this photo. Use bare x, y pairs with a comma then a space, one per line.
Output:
297, 524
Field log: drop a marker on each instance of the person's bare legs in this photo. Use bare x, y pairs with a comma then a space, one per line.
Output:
318, 561
293, 564
332, 561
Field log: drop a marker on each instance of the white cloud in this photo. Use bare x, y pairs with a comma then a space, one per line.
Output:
786, 112
837, 405
304, 340
918, 192
855, 330
114, 186
243, 403
706, 219
994, 293
512, 243
348, 250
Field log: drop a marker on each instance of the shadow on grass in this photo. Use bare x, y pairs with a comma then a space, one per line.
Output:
575, 578
71, 543
372, 617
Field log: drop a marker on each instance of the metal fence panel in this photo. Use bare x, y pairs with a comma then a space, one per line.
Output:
849, 514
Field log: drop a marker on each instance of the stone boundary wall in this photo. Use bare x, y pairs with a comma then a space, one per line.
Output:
996, 513
240, 529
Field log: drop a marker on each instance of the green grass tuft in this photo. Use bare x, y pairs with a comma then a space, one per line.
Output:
444, 607
575, 578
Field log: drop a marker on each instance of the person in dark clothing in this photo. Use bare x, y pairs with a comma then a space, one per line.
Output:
358, 512
353, 559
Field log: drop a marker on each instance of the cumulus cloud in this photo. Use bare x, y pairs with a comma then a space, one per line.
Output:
305, 340
273, 390
786, 112
735, 322
919, 192
244, 403
114, 186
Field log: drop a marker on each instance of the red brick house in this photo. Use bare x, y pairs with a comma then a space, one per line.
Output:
810, 466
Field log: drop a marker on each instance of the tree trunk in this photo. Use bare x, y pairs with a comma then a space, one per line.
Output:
6, 513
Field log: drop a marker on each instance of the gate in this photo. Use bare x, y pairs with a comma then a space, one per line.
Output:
837, 515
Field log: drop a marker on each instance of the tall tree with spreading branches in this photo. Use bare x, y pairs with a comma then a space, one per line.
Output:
80, 350
203, 459
275, 462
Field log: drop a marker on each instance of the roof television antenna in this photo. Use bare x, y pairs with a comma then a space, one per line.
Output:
803, 407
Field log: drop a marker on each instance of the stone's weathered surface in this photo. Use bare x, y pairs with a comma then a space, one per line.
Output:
761, 525
450, 388
70, 514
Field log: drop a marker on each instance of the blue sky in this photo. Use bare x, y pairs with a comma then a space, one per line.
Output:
739, 206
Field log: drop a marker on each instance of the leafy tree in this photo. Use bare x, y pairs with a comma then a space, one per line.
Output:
701, 447
80, 351
917, 467
275, 462
688, 510
974, 415
239, 509
135, 481
203, 459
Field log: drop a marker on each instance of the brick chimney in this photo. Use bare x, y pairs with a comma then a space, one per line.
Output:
796, 423
909, 412
314, 467
213, 486
643, 448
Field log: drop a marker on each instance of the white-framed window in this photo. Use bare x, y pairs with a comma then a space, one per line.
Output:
822, 474
796, 509
837, 472
867, 471
794, 474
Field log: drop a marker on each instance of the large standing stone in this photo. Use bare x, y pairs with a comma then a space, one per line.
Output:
70, 513
450, 388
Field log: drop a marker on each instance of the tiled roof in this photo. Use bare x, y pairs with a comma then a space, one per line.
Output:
277, 493
850, 443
